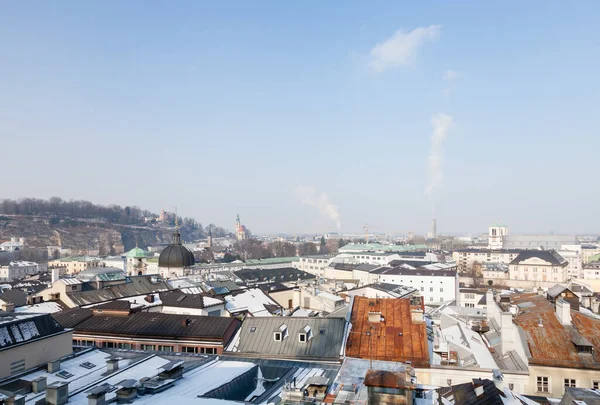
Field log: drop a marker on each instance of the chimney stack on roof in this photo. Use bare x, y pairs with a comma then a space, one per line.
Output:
55, 274
563, 311
507, 332
112, 364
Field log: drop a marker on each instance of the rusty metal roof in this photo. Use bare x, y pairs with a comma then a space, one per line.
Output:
388, 379
397, 338
549, 341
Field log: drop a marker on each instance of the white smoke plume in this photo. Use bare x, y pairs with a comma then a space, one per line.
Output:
310, 196
441, 124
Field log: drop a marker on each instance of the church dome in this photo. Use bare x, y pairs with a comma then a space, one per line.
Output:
176, 255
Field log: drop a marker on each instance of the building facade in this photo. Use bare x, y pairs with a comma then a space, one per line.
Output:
20, 269
539, 265
435, 286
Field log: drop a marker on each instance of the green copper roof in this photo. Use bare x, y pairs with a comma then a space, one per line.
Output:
136, 253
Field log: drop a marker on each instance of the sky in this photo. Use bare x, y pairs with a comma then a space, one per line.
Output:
308, 116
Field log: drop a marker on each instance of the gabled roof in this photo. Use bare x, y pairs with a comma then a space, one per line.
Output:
556, 290
280, 274
114, 306
177, 298
253, 301
551, 343
324, 338
17, 297
147, 324
138, 285
398, 338
550, 256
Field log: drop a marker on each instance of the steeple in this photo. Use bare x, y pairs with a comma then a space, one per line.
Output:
176, 234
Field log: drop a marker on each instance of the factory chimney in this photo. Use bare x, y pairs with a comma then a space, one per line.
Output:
433, 229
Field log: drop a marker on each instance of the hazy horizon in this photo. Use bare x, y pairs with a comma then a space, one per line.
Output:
308, 118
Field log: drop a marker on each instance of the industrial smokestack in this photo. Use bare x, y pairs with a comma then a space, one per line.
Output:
433, 228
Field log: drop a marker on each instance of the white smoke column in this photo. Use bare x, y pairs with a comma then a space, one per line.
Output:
310, 196
441, 124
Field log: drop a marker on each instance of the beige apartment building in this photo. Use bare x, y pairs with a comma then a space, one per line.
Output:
31, 340
74, 264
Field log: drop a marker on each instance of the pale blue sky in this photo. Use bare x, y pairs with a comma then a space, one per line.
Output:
222, 108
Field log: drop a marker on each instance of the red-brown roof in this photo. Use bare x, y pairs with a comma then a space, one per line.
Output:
550, 344
398, 338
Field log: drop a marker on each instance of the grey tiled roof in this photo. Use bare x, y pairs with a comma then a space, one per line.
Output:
256, 338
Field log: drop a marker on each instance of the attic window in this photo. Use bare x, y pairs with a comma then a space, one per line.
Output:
302, 337
253, 329
321, 331
277, 336
584, 349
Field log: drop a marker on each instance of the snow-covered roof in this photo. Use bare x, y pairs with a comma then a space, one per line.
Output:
49, 307
22, 263
252, 300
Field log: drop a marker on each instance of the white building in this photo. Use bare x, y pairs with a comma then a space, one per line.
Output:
313, 264
13, 245
539, 265
574, 255
591, 271
435, 286
465, 258
496, 234
20, 269
472, 298
494, 271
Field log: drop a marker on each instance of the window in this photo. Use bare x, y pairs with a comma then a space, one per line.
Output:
277, 336
208, 350
422, 288
441, 290
321, 331
570, 383
187, 349
302, 337
108, 345
214, 313
147, 347
430, 289
469, 305
253, 329
165, 348
430, 298
542, 384
595, 384
469, 296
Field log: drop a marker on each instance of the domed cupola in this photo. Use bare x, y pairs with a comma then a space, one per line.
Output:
176, 255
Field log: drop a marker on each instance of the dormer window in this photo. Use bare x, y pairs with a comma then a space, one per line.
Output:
302, 337
308, 333
282, 333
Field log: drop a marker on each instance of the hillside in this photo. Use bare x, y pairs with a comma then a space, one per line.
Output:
82, 225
